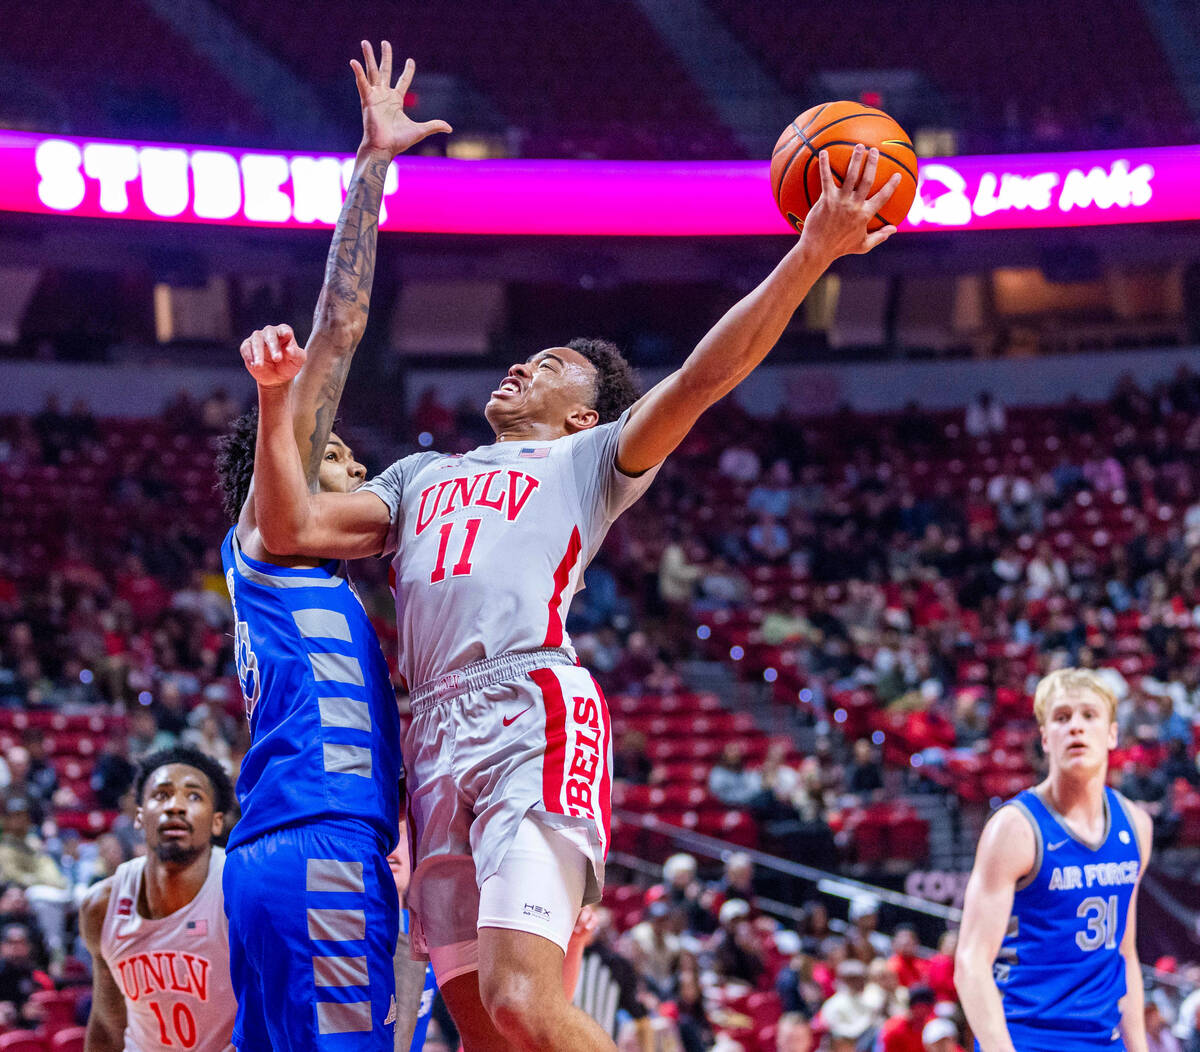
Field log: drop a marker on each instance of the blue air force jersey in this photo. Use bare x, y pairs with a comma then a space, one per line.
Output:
1060, 971
324, 724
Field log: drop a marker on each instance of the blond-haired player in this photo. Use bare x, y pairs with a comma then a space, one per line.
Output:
1047, 957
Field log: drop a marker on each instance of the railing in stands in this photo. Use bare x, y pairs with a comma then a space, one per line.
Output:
826, 882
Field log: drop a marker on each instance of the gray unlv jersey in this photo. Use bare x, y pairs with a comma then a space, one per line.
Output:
174, 971
490, 546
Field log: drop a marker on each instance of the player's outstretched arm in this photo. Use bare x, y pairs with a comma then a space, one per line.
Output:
836, 226
1133, 1004
291, 519
106, 1021
1007, 852
345, 299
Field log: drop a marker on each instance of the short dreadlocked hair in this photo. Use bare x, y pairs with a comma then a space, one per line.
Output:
235, 463
616, 386
222, 787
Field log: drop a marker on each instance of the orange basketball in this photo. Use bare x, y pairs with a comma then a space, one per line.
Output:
838, 127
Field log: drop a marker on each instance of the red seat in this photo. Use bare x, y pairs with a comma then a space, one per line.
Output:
69, 1040
21, 1041
57, 1010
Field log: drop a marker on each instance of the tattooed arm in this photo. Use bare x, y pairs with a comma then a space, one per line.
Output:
344, 302
341, 314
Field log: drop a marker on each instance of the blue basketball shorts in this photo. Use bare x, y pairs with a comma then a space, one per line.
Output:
313, 921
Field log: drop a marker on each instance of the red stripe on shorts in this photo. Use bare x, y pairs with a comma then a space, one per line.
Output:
554, 761
606, 777
562, 577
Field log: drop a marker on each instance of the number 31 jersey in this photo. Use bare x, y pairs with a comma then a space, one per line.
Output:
490, 546
1060, 971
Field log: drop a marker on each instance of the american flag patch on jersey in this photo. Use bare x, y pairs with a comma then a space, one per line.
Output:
534, 452
196, 927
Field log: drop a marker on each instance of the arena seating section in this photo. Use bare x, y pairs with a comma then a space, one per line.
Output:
117, 69
546, 65
593, 79
988, 57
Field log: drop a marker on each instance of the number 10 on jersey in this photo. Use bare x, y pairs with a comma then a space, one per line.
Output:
463, 566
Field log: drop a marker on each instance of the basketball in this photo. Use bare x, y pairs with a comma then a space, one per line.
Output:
838, 127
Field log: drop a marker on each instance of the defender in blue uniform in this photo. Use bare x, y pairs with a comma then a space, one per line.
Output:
1047, 956
312, 907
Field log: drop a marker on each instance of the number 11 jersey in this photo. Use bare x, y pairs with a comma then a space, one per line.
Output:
1060, 970
490, 546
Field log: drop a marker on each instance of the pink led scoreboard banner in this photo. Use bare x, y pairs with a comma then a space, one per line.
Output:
55, 175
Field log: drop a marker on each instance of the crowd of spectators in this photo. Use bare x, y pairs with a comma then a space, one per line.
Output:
853, 554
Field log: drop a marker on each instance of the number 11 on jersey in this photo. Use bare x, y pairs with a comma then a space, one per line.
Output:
463, 566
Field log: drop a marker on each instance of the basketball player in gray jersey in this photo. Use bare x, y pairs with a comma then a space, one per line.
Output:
156, 928
509, 752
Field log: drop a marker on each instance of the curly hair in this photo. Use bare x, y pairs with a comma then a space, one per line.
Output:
235, 463
222, 787
616, 385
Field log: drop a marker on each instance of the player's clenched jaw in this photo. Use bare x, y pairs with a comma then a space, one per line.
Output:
178, 813
1078, 732
339, 471
554, 391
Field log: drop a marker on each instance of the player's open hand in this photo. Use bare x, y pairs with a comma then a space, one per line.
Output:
837, 224
385, 124
273, 355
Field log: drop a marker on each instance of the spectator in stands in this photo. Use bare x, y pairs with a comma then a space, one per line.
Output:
848, 1014
205, 732
696, 1032
113, 774
721, 586
654, 947
15, 909
815, 925
682, 890
739, 463
864, 920
798, 990
20, 976
729, 780
940, 1035
1159, 1037
941, 967
884, 992
24, 861
864, 776
793, 1033
768, 539
903, 1032
631, 762
20, 786
773, 494
1145, 785
985, 416
608, 983
910, 969
145, 735
737, 880
679, 570
737, 952
1187, 1025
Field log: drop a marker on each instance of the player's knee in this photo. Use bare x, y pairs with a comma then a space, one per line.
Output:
518, 1007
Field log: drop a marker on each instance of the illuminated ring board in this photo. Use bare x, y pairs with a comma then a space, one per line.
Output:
56, 175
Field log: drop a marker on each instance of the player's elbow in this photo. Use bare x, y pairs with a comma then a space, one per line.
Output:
340, 325
970, 966
281, 534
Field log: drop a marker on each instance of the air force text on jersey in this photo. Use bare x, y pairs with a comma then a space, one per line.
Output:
1094, 875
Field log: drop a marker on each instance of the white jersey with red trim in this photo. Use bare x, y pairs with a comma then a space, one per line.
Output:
490, 546
173, 971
